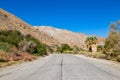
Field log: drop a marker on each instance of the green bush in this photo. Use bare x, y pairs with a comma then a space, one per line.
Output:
75, 50
64, 48
23, 43
41, 49
5, 32
14, 37
29, 38
5, 46
100, 48
49, 50
2, 38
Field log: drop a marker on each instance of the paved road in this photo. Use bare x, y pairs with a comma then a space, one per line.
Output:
61, 67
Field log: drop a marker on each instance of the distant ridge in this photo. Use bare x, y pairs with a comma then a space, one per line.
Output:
66, 37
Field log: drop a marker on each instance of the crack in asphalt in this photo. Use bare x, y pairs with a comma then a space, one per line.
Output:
61, 67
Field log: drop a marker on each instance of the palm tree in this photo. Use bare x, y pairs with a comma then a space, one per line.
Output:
91, 40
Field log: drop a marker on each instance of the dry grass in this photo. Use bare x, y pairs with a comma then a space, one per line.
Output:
7, 59
5, 64
99, 55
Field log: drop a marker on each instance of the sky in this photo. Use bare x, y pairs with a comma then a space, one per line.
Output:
91, 17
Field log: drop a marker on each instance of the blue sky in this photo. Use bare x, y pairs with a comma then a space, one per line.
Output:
87, 16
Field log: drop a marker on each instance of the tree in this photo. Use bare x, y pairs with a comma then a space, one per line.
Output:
112, 43
90, 41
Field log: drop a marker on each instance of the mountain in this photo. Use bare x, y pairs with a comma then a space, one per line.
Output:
66, 37
46, 34
11, 22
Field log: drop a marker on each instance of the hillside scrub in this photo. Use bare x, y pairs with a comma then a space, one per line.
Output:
6, 46
15, 47
12, 41
32, 45
11, 37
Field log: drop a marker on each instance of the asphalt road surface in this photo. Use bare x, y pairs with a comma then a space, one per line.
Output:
61, 67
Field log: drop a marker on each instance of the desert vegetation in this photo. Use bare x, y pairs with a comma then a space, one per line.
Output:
110, 50
91, 43
14, 46
64, 48
112, 43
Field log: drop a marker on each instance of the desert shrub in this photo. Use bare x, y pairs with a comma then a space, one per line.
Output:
28, 46
5, 46
41, 49
2, 38
33, 46
14, 37
49, 50
23, 43
75, 50
4, 32
99, 55
112, 43
100, 48
63, 48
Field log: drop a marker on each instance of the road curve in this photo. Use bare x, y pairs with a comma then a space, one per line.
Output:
61, 67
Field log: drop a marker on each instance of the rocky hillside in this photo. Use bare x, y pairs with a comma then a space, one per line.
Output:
11, 22
65, 36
